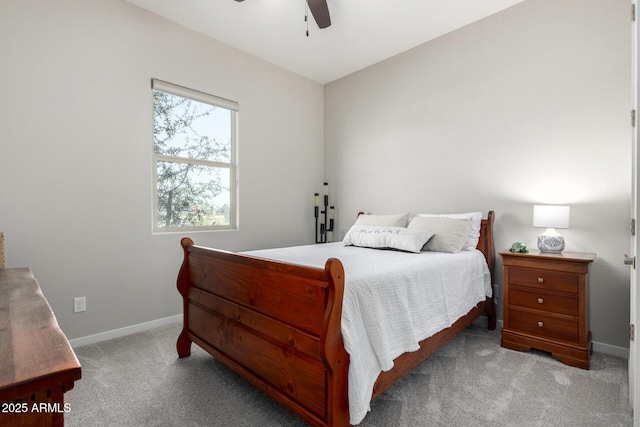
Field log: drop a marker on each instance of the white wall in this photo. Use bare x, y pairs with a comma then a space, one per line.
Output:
75, 153
465, 122
527, 106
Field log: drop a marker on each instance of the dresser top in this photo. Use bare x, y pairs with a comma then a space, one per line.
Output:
564, 256
32, 346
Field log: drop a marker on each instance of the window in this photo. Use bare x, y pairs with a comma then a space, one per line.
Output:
194, 166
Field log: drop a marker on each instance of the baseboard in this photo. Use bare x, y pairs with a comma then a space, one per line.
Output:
598, 347
483, 322
127, 330
611, 350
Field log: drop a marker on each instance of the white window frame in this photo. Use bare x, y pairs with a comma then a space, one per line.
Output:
232, 165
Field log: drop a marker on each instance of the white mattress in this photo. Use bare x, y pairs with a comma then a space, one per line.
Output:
392, 301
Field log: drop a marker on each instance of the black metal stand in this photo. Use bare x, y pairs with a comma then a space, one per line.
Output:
325, 216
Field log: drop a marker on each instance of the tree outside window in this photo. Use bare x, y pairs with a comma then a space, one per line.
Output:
194, 159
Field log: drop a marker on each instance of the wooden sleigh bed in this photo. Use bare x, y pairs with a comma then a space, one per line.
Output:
278, 325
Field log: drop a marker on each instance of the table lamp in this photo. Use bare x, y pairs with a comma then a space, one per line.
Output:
551, 217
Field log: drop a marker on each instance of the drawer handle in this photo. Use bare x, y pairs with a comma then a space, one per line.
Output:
541, 325
540, 300
540, 280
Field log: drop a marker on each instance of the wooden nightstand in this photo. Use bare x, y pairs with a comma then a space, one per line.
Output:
546, 304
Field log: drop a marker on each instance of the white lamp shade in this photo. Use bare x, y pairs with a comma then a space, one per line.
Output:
551, 216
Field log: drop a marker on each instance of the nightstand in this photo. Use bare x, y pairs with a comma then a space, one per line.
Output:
546, 304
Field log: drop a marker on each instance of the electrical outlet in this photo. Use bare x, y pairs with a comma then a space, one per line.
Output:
79, 304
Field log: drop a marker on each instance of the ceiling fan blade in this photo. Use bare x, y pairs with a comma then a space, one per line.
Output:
320, 12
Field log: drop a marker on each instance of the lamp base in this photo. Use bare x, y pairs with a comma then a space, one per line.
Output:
551, 242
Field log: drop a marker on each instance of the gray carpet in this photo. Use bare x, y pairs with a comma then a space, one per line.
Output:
139, 381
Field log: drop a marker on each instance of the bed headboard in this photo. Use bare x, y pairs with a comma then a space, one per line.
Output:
485, 244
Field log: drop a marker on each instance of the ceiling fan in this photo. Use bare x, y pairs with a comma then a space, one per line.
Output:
320, 12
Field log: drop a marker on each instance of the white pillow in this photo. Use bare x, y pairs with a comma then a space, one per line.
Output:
400, 238
397, 220
474, 235
449, 234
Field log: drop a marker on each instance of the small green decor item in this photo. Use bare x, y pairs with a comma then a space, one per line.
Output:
519, 248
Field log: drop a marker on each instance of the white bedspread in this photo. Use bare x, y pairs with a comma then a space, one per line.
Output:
392, 301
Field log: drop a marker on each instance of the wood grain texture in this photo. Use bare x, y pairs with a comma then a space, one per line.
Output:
546, 304
37, 364
278, 325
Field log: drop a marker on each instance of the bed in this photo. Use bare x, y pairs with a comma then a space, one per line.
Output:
279, 324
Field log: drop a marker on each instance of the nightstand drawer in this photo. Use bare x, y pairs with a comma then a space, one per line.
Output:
544, 301
544, 325
541, 279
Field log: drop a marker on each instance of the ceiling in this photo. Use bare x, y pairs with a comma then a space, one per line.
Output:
362, 32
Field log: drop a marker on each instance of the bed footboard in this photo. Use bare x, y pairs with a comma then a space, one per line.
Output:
275, 324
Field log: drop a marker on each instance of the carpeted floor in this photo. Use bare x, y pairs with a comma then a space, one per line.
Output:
139, 381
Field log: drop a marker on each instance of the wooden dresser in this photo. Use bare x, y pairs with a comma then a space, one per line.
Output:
37, 364
546, 304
